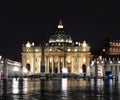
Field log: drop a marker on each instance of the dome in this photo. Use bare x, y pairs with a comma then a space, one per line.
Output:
60, 36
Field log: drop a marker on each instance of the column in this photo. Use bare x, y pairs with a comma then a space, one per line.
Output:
58, 66
88, 66
48, 64
63, 62
4, 68
46, 60
52, 65
32, 61
40, 64
45, 64
78, 64
114, 70
117, 70
72, 66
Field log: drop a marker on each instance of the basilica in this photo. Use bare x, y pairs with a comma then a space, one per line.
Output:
59, 55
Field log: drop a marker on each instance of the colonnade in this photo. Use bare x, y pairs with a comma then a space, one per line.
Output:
54, 64
51, 64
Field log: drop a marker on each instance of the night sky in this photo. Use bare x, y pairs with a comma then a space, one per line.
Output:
35, 21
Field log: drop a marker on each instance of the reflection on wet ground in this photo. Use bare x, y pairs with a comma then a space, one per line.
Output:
59, 89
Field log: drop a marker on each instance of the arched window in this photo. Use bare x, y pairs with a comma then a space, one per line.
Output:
113, 43
110, 49
84, 68
113, 49
28, 67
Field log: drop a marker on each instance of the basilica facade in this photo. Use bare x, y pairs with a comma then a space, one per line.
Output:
59, 54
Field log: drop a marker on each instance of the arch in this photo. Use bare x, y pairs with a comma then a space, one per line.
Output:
55, 67
28, 66
84, 69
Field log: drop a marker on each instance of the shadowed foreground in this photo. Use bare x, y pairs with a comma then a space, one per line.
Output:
59, 89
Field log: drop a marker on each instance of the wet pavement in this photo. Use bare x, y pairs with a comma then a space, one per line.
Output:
59, 89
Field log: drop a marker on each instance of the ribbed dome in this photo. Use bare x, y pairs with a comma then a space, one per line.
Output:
60, 35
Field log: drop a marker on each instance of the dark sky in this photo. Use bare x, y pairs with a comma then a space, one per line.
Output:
22, 21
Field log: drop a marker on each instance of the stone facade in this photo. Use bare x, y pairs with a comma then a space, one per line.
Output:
60, 52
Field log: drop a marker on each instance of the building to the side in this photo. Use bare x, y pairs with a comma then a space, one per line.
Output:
58, 55
107, 63
10, 68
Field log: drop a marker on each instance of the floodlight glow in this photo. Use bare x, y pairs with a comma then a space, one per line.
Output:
25, 86
64, 70
25, 70
97, 62
75, 50
15, 69
84, 44
102, 62
15, 87
28, 45
111, 62
118, 61
64, 84
60, 26
92, 63
36, 50
0, 57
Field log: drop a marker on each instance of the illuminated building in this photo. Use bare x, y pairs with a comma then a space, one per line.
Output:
59, 53
108, 59
111, 47
9, 67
